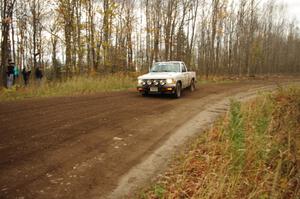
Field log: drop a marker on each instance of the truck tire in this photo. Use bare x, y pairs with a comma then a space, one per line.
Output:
145, 94
192, 86
177, 93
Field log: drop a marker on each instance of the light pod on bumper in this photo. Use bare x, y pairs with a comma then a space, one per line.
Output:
162, 82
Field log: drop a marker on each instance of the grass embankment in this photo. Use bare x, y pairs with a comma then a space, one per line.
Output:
73, 86
250, 153
82, 85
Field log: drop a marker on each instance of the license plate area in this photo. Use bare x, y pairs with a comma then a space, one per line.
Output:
153, 89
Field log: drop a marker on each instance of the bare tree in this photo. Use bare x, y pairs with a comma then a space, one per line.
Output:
7, 13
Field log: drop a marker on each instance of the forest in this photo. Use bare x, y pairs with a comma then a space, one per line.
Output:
67, 38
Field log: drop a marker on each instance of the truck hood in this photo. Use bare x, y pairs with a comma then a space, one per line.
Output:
157, 75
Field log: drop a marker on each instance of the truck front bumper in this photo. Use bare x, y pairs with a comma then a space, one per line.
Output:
168, 89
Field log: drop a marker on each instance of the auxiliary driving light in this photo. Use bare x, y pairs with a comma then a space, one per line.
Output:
149, 82
162, 82
155, 82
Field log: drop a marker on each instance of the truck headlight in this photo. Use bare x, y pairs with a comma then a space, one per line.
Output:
170, 81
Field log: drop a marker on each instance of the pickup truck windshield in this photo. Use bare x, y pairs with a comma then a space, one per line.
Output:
166, 67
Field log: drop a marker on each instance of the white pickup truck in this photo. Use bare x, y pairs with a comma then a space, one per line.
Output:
167, 77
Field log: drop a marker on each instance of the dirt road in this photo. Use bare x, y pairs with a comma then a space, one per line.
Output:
79, 147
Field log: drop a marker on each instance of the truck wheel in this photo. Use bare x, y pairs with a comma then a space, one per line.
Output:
145, 94
177, 90
192, 86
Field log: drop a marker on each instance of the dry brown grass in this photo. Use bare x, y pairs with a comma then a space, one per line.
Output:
75, 86
250, 153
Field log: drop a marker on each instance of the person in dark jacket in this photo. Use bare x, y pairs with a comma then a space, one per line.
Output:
26, 75
10, 75
38, 73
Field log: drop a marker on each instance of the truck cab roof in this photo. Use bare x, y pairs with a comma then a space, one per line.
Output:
173, 62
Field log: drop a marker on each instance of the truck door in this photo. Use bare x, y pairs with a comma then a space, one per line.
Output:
185, 74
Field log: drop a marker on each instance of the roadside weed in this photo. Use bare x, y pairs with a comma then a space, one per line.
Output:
159, 191
236, 135
251, 152
73, 86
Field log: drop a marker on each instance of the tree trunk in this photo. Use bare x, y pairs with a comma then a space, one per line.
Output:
7, 11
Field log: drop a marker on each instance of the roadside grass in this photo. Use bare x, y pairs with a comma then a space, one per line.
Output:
73, 86
216, 80
81, 85
251, 152
91, 84
223, 79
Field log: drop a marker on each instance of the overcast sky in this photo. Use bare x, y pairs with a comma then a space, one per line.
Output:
293, 8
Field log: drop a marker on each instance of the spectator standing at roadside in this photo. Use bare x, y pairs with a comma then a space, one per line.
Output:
10, 75
26, 75
38, 74
16, 73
